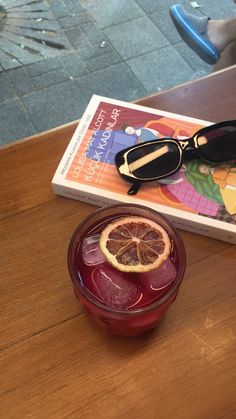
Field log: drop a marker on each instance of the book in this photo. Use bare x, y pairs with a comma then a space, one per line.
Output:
200, 197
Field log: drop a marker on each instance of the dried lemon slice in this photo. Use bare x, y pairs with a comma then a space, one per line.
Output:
135, 244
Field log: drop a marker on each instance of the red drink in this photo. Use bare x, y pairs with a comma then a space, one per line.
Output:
123, 303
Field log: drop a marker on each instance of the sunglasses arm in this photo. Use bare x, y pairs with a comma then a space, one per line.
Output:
134, 188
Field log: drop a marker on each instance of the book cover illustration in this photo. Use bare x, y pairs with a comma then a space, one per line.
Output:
199, 187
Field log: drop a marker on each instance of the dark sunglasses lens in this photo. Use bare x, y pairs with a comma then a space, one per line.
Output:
155, 160
218, 144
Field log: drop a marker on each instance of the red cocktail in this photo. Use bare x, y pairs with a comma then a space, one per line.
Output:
123, 303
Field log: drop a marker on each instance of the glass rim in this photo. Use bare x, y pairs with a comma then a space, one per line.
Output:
76, 279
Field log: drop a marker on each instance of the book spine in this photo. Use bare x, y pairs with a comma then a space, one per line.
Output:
180, 223
204, 230
87, 197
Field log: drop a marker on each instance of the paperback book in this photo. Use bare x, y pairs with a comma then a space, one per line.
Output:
200, 197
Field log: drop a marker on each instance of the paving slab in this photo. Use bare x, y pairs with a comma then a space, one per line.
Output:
103, 61
218, 9
21, 81
136, 37
14, 3
43, 66
30, 8
50, 78
68, 21
14, 122
92, 32
152, 6
157, 70
73, 6
97, 50
7, 61
164, 23
117, 11
58, 8
16, 51
39, 24
75, 65
192, 59
55, 106
7, 90
77, 37
21, 14
116, 81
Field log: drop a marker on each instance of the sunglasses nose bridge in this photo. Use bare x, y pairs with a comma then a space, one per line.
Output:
188, 143
190, 148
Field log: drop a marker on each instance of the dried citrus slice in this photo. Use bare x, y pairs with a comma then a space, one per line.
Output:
135, 244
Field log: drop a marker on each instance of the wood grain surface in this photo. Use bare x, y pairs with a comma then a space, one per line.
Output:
54, 363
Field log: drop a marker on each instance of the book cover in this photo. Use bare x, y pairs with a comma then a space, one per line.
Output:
200, 197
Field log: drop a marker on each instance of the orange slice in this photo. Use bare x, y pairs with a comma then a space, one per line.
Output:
135, 244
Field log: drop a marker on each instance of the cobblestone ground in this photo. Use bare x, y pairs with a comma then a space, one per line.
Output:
54, 54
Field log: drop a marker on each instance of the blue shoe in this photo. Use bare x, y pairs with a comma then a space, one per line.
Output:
193, 30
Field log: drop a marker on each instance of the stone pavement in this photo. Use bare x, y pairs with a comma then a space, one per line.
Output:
54, 54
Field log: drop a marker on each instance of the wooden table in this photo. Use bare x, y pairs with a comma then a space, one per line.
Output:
54, 363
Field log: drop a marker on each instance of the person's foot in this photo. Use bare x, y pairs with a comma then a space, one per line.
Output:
216, 33
199, 33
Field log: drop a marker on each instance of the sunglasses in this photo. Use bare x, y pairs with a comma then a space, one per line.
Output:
160, 158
